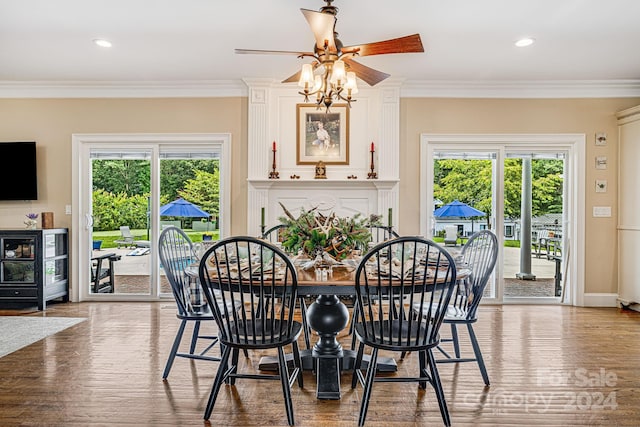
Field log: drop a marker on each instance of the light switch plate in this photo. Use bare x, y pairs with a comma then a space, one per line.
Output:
601, 162
602, 211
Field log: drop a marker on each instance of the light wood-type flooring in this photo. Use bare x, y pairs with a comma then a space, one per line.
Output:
549, 365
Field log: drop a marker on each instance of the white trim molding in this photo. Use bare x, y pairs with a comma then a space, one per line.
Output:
124, 89
407, 88
521, 89
573, 144
600, 300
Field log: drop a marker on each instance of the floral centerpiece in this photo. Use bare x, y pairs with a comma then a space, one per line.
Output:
317, 234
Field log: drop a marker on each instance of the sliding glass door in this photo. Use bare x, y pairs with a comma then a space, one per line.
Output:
125, 194
525, 190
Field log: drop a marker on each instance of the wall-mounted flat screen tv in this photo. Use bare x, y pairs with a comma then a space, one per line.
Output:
18, 172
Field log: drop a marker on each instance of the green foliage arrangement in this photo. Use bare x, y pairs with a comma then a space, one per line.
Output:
316, 233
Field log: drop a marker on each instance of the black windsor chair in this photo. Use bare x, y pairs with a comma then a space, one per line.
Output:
250, 272
273, 235
379, 234
479, 254
391, 279
176, 253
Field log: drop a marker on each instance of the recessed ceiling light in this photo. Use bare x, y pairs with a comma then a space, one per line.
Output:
102, 42
525, 42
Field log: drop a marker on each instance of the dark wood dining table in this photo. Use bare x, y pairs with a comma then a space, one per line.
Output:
327, 316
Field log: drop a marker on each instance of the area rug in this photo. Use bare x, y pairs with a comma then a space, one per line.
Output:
20, 331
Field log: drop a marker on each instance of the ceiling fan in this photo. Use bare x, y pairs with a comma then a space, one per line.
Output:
332, 73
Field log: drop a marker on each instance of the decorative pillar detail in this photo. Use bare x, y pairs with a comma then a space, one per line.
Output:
389, 144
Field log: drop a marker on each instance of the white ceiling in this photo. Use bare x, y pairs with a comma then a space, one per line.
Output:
193, 41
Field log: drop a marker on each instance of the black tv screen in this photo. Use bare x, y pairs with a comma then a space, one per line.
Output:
18, 173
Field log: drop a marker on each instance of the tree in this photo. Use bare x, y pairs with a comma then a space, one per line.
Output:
128, 177
204, 191
469, 180
174, 173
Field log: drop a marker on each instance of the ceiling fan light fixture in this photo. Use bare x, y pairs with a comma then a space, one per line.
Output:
306, 76
317, 83
338, 74
351, 86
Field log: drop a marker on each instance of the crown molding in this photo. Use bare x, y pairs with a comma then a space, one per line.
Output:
408, 88
123, 89
521, 89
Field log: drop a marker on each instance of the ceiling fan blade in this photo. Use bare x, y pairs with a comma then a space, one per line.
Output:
272, 52
296, 77
322, 25
369, 75
405, 44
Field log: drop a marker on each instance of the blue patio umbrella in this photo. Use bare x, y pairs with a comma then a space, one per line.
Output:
457, 209
181, 207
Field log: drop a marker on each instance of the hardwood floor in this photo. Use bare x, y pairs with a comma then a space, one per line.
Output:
549, 365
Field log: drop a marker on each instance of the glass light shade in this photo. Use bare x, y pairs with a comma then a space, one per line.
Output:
338, 73
317, 83
306, 76
351, 85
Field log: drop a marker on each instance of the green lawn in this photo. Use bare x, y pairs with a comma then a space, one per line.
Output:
109, 237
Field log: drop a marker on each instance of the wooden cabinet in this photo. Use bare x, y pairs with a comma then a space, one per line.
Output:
34, 267
628, 208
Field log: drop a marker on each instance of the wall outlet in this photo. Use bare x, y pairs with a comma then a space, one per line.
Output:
67, 209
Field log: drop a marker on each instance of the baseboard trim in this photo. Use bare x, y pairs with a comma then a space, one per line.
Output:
600, 300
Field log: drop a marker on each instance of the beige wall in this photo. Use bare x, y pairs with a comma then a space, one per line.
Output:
51, 122
583, 116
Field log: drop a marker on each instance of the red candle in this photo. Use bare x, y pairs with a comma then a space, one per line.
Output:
372, 147
274, 146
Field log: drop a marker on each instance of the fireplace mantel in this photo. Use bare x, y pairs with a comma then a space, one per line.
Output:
382, 184
272, 118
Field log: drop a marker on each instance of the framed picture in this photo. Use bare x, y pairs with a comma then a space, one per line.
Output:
322, 136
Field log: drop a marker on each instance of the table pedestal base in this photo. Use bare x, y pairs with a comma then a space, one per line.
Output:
328, 316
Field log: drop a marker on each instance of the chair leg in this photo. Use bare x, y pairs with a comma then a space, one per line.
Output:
368, 385
454, 339
437, 386
305, 325
286, 390
234, 364
194, 337
298, 363
356, 365
217, 383
478, 353
174, 349
352, 326
422, 367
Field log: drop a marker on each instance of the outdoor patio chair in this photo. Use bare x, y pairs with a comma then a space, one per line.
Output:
103, 274
128, 240
247, 271
479, 254
451, 235
394, 277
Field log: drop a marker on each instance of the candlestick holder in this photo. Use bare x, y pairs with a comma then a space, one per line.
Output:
274, 174
372, 174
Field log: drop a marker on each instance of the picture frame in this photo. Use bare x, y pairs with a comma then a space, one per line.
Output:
322, 136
